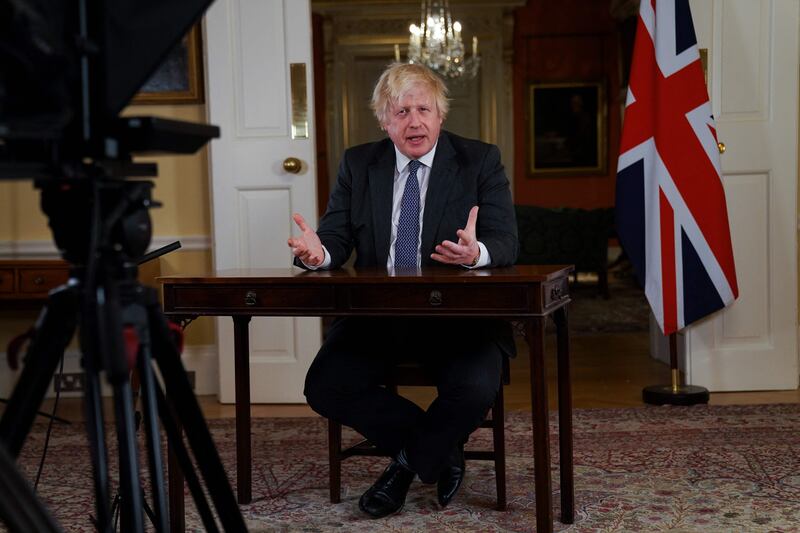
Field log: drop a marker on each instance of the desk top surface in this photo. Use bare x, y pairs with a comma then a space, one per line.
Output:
514, 274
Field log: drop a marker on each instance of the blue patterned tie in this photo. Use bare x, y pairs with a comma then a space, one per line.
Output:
406, 244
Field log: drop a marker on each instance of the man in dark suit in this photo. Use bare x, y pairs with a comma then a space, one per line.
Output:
421, 197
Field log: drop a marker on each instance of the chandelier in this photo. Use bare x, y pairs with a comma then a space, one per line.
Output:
436, 43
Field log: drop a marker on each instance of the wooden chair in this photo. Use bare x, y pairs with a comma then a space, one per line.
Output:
413, 375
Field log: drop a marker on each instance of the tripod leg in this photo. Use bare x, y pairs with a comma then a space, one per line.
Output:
153, 439
177, 506
95, 429
95, 425
185, 404
107, 318
131, 505
20, 509
54, 330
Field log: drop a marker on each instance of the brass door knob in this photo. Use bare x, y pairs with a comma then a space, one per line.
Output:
721, 147
292, 165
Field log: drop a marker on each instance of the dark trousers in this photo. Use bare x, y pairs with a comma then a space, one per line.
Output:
345, 383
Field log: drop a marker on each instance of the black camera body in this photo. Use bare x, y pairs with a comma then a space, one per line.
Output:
68, 68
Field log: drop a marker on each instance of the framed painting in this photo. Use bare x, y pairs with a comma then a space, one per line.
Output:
567, 133
179, 79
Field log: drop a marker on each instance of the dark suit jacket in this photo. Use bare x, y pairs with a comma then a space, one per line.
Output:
464, 173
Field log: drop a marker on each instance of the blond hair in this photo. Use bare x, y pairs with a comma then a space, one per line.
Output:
398, 79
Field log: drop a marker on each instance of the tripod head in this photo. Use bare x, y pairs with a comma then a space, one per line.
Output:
125, 229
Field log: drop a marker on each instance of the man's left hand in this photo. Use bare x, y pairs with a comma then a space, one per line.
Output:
466, 251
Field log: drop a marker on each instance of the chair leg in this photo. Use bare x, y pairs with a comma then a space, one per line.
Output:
499, 437
335, 460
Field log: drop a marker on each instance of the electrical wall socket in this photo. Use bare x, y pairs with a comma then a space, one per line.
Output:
75, 381
69, 382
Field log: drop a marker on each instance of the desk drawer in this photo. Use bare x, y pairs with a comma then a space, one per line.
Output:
555, 291
500, 299
33, 280
6, 280
255, 299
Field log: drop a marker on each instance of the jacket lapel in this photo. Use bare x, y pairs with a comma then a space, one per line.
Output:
444, 173
381, 180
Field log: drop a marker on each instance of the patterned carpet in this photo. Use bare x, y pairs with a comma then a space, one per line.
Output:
703, 469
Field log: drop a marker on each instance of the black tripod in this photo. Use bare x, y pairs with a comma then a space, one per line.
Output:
121, 326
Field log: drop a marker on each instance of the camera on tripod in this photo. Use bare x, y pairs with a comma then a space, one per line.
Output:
67, 69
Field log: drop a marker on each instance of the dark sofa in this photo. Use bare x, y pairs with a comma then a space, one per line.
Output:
566, 236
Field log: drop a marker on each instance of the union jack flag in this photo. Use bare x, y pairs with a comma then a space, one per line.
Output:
672, 219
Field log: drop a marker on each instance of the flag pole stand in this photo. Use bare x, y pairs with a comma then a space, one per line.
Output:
674, 394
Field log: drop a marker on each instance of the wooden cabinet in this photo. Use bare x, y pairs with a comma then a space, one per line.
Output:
26, 282
6, 281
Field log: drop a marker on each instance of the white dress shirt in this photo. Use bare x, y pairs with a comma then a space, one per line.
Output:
401, 172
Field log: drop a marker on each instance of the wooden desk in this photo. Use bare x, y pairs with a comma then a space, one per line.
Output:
525, 293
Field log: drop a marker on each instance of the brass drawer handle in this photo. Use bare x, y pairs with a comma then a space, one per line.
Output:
555, 292
38, 280
250, 298
435, 298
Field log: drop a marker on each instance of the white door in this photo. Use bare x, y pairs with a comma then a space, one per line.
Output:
753, 77
252, 46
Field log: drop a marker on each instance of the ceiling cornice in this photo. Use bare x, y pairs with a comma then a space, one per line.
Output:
404, 7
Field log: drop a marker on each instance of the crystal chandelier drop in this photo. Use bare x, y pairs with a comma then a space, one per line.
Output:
436, 43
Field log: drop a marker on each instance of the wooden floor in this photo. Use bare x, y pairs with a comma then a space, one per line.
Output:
608, 371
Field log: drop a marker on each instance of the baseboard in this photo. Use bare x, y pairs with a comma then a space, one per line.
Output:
72, 365
199, 360
203, 361
46, 249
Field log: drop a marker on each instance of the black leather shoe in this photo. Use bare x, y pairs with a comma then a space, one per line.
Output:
387, 495
451, 477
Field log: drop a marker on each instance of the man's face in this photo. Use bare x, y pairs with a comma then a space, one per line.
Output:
413, 122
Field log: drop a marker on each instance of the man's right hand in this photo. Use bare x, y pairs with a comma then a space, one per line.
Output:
307, 248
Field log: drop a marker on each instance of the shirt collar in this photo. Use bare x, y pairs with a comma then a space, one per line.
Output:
403, 160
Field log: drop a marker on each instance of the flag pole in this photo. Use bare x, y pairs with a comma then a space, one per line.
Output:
670, 201
675, 393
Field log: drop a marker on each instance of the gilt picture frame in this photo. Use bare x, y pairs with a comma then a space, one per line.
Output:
567, 128
179, 79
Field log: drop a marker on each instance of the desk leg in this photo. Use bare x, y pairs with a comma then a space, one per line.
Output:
241, 339
541, 429
565, 418
177, 518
